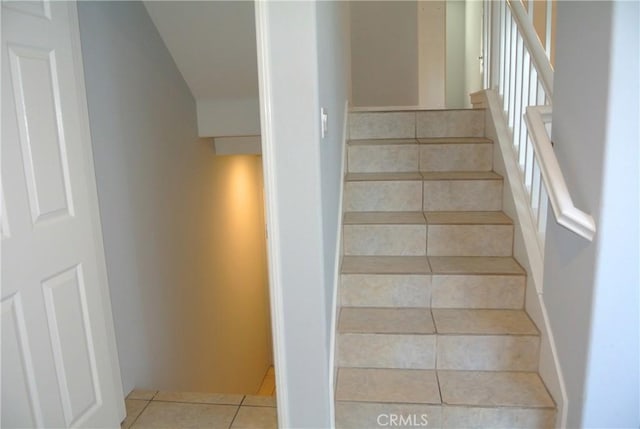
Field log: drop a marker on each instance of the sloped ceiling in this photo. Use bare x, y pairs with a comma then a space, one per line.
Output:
213, 44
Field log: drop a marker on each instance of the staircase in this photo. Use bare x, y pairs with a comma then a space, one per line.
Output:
431, 328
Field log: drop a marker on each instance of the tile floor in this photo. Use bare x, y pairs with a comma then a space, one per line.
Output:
158, 409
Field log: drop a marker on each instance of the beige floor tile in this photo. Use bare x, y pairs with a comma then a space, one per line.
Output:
473, 321
456, 157
382, 142
360, 415
379, 158
387, 351
453, 140
385, 265
492, 388
460, 175
383, 177
385, 320
470, 240
385, 290
134, 408
385, 240
468, 218
180, 415
199, 398
255, 418
382, 125
477, 291
259, 401
488, 352
449, 195
388, 386
383, 218
497, 418
389, 195
474, 265
450, 123
142, 394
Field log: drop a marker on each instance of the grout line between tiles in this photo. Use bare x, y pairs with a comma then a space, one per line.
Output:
143, 410
234, 416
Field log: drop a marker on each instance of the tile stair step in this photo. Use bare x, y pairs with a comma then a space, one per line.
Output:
447, 399
407, 281
495, 340
427, 154
412, 124
429, 191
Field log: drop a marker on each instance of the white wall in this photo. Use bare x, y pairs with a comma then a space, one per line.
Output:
304, 47
591, 289
384, 53
455, 53
472, 48
183, 234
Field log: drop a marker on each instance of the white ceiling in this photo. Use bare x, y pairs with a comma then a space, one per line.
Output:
213, 44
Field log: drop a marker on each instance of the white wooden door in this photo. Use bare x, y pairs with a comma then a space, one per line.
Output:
59, 362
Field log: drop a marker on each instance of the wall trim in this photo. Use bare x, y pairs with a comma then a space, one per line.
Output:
271, 212
333, 346
527, 252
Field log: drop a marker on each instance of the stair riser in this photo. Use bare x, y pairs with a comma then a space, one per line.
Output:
468, 195
358, 415
470, 240
386, 351
488, 352
456, 157
434, 123
385, 290
453, 352
477, 291
383, 196
383, 158
436, 291
391, 240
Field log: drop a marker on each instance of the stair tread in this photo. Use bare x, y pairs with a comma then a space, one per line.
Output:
467, 218
388, 386
494, 388
385, 320
475, 265
385, 265
383, 177
382, 142
461, 175
424, 175
447, 387
384, 218
483, 322
454, 140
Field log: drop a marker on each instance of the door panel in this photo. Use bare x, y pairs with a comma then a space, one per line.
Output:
59, 361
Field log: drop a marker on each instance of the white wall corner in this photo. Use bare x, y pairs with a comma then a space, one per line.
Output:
228, 117
526, 250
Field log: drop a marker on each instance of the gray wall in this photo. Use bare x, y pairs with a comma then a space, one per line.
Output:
308, 67
189, 295
384, 53
455, 55
591, 289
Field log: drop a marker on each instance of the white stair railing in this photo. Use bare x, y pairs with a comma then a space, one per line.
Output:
517, 67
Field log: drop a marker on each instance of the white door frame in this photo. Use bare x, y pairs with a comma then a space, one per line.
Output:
271, 214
